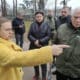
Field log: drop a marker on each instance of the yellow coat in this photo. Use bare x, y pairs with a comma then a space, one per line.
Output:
12, 58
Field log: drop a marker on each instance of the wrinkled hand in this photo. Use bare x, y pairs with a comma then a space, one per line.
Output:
58, 49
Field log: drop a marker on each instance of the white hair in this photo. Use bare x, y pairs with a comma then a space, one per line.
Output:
76, 10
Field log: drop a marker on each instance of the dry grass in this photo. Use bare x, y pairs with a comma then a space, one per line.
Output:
27, 25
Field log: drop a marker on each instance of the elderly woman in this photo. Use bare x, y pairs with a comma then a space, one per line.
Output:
12, 58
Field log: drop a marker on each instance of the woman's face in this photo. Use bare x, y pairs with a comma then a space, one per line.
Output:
6, 30
39, 17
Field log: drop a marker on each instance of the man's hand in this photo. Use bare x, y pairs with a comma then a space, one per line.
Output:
58, 49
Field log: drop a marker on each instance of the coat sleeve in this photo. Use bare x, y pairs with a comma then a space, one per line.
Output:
48, 34
9, 57
30, 34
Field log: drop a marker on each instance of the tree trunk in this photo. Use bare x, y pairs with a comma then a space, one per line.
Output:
41, 5
14, 7
3, 6
55, 8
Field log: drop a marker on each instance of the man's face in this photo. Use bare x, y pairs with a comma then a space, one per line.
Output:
20, 16
76, 19
50, 12
65, 12
39, 17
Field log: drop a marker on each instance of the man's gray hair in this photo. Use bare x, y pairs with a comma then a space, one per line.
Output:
76, 10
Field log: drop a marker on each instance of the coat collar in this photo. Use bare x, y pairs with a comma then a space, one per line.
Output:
9, 43
73, 28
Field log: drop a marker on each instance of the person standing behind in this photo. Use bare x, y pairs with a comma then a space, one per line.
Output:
51, 23
19, 28
65, 17
39, 35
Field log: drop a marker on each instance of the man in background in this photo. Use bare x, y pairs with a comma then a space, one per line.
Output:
51, 23
65, 16
19, 28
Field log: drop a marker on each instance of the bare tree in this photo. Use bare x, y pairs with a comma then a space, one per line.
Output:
55, 7
41, 5
3, 7
14, 7
35, 6
64, 2
26, 4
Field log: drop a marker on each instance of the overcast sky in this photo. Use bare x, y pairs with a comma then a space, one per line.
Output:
71, 3
50, 3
